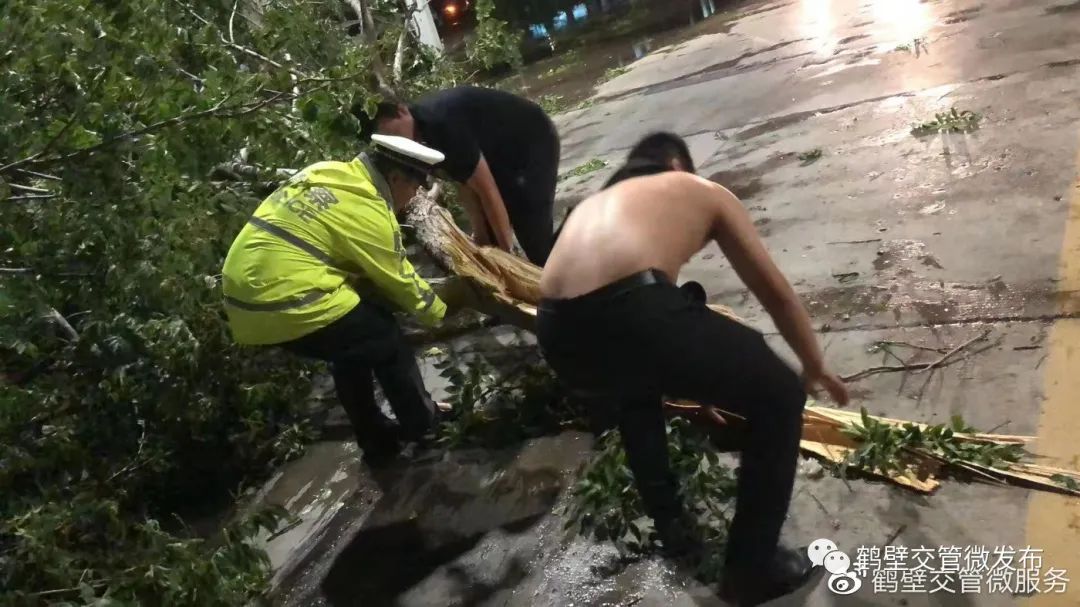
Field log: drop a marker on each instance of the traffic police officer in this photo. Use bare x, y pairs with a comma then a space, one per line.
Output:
295, 275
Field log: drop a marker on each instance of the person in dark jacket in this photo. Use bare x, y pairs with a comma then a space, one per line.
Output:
501, 149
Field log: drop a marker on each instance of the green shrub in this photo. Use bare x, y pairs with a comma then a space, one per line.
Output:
125, 406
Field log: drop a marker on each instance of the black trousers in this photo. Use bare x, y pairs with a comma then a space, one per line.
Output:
529, 192
366, 341
632, 345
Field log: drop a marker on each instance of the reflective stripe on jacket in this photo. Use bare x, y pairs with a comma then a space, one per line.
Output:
288, 272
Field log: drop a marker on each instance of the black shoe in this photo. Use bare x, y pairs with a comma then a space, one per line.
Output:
789, 571
679, 539
381, 452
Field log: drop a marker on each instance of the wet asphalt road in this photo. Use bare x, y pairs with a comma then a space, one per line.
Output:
887, 236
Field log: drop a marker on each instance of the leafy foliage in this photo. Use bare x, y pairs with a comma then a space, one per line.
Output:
127, 401
952, 121
1067, 482
495, 406
614, 72
810, 157
885, 448
552, 104
581, 170
606, 506
494, 43
182, 571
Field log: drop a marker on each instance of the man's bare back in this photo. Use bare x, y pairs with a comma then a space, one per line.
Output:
658, 222
652, 222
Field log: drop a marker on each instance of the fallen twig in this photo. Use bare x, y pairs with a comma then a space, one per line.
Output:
868, 240
845, 276
906, 344
1041, 360
895, 534
293, 524
922, 390
820, 505
950, 353
945, 360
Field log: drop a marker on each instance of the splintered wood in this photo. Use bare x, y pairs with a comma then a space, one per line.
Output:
508, 287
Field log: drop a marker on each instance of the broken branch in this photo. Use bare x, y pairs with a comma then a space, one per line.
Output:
370, 35
243, 49
232, 17
399, 53
39, 175
26, 188
219, 110
64, 325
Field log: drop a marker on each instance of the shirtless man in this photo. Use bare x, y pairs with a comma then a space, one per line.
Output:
614, 327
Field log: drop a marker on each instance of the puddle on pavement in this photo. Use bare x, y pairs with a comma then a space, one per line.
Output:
836, 69
388, 559
850, 39
710, 73
1063, 8
589, 63
455, 528
893, 254
1066, 63
745, 183
962, 15
900, 286
772, 124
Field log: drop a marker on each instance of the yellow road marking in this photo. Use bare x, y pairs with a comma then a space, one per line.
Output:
1053, 522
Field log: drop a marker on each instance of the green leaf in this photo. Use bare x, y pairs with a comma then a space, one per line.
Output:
1067, 482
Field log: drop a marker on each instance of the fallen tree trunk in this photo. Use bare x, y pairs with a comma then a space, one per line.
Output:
507, 287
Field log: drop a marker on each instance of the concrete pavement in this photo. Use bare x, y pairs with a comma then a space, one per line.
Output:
928, 240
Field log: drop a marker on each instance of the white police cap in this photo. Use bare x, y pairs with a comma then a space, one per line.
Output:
407, 151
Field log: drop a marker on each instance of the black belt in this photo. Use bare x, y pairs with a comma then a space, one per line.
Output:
692, 289
631, 282
614, 289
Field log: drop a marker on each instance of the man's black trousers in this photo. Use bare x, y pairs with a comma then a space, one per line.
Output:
632, 343
367, 341
529, 192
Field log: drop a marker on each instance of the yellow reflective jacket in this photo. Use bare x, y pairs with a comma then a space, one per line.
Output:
288, 272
